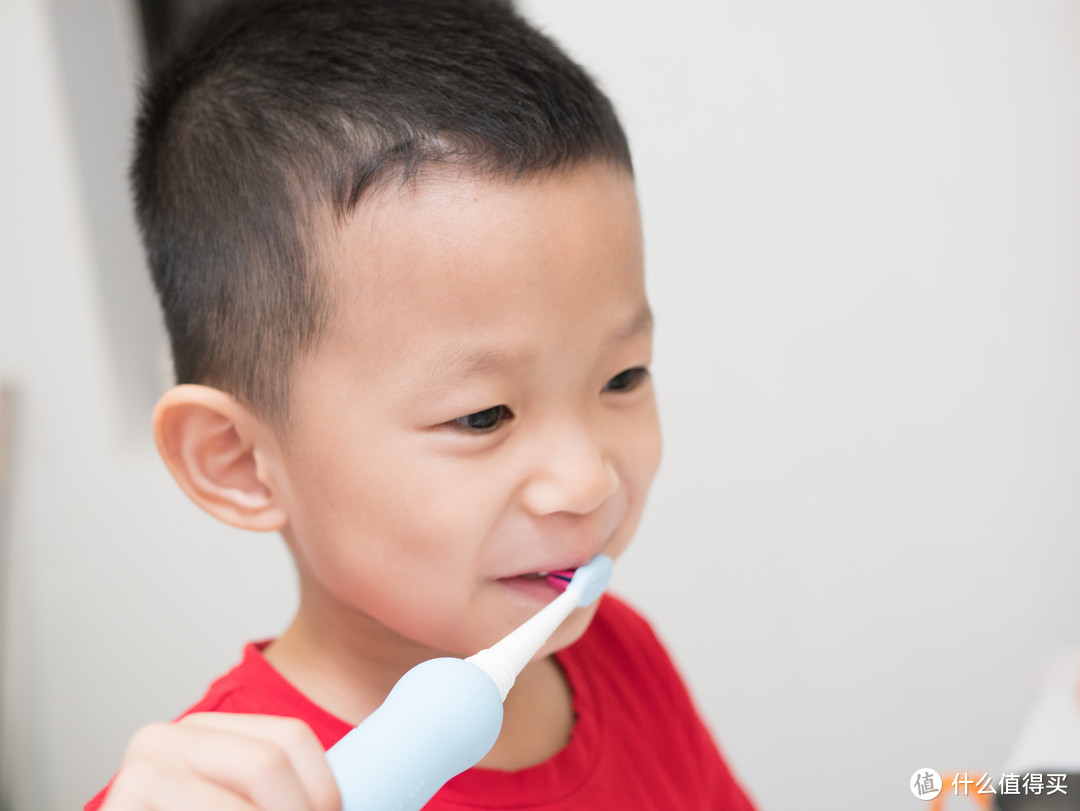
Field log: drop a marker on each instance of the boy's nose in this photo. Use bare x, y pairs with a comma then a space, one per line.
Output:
573, 474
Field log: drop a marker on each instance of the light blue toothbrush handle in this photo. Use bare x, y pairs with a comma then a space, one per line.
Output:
440, 719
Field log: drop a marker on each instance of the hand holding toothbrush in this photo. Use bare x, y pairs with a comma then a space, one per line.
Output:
225, 761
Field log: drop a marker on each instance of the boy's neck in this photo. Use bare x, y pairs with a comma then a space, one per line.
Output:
538, 718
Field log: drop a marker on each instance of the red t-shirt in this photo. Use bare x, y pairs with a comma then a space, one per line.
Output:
638, 742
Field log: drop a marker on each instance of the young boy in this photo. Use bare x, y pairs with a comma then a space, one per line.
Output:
398, 250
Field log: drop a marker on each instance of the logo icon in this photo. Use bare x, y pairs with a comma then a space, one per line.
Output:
926, 784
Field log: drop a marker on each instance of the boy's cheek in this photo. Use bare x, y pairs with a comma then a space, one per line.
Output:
648, 452
656, 453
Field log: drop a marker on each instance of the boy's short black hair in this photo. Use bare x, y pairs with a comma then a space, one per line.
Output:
276, 116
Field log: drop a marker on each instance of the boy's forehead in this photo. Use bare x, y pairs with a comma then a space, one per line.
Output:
458, 236
468, 274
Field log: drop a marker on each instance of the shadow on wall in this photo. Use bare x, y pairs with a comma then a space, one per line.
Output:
101, 52
7, 466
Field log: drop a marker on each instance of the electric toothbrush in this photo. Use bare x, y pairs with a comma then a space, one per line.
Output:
445, 714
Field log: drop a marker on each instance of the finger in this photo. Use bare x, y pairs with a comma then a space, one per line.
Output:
296, 739
248, 765
146, 786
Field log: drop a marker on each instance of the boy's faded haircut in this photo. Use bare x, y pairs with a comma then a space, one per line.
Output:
276, 116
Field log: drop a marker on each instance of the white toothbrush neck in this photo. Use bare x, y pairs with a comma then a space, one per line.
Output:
504, 660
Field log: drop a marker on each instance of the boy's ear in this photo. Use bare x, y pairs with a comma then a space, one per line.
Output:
221, 455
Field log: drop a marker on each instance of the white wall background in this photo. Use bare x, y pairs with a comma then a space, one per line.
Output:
863, 223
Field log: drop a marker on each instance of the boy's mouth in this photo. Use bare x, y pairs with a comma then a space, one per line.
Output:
542, 585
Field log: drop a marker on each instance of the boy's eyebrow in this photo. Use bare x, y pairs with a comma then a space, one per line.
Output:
468, 360
642, 322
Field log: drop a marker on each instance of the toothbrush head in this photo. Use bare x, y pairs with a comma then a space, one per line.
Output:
560, 579
587, 582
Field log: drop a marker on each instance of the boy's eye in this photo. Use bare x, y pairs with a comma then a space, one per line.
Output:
627, 380
485, 420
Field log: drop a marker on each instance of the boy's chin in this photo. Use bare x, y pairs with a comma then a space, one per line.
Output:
570, 631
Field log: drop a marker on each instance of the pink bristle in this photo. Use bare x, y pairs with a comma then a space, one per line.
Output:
560, 580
